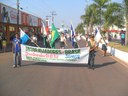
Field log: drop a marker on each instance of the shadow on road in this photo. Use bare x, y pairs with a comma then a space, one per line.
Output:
56, 64
68, 64
104, 64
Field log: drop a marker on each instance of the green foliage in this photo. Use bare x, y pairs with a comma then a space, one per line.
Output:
113, 15
105, 13
80, 28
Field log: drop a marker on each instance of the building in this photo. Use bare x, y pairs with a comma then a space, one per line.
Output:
8, 22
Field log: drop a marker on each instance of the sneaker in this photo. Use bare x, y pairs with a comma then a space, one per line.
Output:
14, 66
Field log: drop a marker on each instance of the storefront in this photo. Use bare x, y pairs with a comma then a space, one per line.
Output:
8, 22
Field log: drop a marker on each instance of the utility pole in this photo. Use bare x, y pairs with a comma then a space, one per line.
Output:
87, 30
47, 20
53, 13
17, 15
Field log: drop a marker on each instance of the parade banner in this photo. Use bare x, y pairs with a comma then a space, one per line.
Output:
74, 56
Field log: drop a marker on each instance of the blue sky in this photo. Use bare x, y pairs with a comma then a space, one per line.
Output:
66, 10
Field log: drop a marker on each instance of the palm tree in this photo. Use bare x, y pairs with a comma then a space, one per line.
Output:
90, 18
113, 15
105, 13
126, 17
101, 5
80, 28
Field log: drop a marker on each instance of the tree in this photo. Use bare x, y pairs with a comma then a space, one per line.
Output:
80, 28
103, 13
90, 18
125, 5
101, 5
113, 16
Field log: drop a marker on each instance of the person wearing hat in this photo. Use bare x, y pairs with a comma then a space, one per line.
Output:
93, 46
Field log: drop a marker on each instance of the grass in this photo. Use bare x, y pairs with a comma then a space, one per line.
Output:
119, 46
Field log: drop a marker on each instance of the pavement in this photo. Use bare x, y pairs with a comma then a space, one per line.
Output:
109, 78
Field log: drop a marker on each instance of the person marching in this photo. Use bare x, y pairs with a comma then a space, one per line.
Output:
104, 43
33, 40
62, 41
45, 43
75, 41
49, 37
16, 49
93, 46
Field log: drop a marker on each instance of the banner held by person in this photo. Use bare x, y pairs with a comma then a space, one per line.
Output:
74, 56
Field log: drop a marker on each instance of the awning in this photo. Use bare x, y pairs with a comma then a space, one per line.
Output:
113, 30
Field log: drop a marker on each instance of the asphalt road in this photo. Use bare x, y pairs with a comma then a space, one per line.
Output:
109, 78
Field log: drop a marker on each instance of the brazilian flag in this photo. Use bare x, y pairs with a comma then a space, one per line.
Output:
55, 35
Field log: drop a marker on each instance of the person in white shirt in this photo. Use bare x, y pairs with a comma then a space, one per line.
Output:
49, 37
33, 40
62, 41
104, 42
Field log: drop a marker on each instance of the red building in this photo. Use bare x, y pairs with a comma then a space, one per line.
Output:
8, 22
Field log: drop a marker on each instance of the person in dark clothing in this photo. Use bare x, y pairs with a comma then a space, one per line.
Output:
93, 45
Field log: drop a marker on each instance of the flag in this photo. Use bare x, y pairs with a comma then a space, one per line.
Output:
55, 35
43, 30
72, 35
23, 36
96, 31
97, 35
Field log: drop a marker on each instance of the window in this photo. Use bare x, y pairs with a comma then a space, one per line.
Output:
11, 28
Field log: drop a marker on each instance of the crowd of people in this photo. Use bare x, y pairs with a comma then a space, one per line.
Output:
16, 49
89, 42
63, 40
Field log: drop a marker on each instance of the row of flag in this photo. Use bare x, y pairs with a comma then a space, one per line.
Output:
55, 35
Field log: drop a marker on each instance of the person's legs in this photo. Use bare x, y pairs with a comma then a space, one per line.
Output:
89, 60
121, 41
19, 58
92, 62
104, 48
104, 52
15, 59
92, 58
